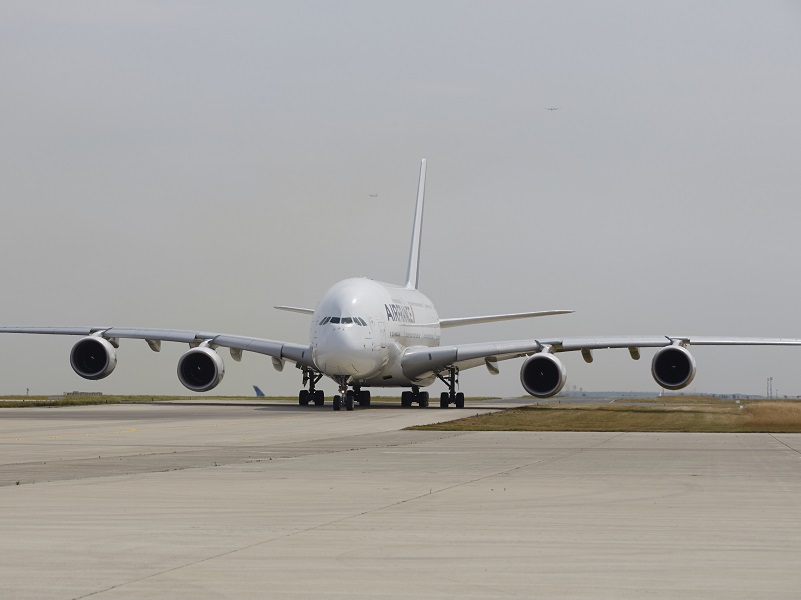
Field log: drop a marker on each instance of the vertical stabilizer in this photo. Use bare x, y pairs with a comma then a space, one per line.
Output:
417, 232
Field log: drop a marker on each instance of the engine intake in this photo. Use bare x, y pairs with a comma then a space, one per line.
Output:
673, 367
93, 357
543, 375
201, 369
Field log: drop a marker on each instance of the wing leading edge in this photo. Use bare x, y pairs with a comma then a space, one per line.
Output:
420, 361
445, 323
297, 353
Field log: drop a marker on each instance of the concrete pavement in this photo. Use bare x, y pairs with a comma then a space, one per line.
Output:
170, 501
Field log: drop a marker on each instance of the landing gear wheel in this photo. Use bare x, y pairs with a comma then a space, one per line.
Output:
451, 379
349, 400
303, 398
337, 402
319, 398
406, 399
422, 399
363, 398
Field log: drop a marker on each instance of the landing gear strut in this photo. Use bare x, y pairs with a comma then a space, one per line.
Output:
311, 377
451, 396
415, 396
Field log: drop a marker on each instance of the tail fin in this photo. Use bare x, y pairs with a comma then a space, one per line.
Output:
412, 274
258, 391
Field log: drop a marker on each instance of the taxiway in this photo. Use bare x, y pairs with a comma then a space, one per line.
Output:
279, 501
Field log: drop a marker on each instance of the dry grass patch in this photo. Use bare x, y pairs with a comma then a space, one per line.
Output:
679, 400
775, 417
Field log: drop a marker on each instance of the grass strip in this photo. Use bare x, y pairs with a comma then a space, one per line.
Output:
754, 417
78, 400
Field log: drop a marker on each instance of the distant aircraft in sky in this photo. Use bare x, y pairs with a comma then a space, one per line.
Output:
551, 108
374, 195
366, 334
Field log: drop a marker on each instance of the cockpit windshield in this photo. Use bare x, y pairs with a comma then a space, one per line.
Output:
344, 321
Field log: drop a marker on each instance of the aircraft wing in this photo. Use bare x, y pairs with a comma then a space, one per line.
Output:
419, 361
296, 309
297, 353
444, 323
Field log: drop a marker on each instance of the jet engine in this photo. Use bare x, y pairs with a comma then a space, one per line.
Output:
543, 375
673, 367
200, 369
93, 357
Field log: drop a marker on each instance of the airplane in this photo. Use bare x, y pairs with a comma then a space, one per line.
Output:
367, 334
551, 108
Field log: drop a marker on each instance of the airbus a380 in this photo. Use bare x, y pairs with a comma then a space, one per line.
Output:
368, 334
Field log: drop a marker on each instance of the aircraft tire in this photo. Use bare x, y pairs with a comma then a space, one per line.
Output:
349, 400
444, 400
319, 397
303, 398
423, 401
460, 400
337, 402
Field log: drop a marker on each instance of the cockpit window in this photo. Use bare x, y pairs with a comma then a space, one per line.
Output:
344, 321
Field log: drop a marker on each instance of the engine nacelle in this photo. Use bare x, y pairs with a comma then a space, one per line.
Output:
543, 375
673, 367
93, 357
201, 369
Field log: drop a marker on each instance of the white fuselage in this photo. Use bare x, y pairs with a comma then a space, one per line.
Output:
361, 327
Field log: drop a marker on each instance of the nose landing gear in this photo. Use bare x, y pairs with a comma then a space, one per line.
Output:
345, 396
348, 398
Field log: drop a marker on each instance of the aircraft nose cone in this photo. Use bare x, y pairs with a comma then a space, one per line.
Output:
342, 351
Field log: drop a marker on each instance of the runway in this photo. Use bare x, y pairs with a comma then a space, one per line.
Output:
279, 501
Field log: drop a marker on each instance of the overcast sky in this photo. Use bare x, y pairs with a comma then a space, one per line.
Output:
191, 164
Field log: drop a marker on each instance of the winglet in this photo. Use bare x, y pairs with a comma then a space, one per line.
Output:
412, 273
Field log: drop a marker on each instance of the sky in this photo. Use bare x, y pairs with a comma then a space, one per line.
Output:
189, 165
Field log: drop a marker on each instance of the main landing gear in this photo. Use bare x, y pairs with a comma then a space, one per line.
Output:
311, 395
348, 398
451, 396
414, 397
